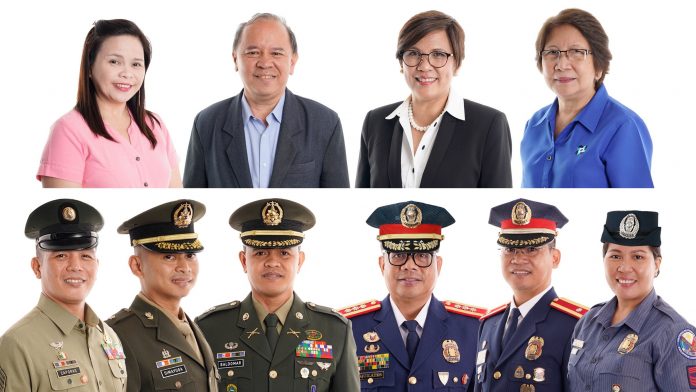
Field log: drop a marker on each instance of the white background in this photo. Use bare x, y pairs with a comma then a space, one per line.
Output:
347, 62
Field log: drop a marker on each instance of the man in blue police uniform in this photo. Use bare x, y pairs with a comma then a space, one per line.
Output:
410, 341
635, 341
524, 345
273, 341
165, 349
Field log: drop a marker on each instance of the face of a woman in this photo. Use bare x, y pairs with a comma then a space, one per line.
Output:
630, 271
569, 79
425, 81
118, 70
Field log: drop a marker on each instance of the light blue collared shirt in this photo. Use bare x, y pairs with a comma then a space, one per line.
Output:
606, 146
261, 142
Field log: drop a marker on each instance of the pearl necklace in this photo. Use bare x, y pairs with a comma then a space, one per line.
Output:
413, 121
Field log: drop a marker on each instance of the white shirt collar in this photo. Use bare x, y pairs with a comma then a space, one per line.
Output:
422, 315
454, 106
527, 306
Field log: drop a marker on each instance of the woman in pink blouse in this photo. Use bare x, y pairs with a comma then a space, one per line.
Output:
109, 139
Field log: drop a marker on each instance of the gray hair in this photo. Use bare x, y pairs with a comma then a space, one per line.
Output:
264, 16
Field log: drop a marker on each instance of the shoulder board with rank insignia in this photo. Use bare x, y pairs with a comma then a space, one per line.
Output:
464, 309
120, 316
494, 311
326, 310
569, 307
360, 309
218, 308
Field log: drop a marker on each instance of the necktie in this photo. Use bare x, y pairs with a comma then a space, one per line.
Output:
511, 326
271, 322
412, 338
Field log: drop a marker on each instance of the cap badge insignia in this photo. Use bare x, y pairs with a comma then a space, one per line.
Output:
69, 214
272, 214
450, 351
534, 348
411, 216
371, 337
521, 214
628, 228
372, 348
183, 215
686, 342
628, 343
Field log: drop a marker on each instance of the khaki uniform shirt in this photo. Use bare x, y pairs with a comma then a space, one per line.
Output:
50, 349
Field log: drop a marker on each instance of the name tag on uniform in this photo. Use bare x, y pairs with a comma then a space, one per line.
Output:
577, 343
230, 363
173, 371
68, 372
481, 357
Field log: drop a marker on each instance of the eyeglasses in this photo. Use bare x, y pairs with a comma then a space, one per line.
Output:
575, 55
529, 251
421, 259
436, 58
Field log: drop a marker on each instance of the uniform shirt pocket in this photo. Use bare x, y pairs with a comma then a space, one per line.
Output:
240, 377
118, 368
308, 372
65, 378
625, 371
173, 378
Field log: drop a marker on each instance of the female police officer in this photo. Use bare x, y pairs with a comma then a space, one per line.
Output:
636, 341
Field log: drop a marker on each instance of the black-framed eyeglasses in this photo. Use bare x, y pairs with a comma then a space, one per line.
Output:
578, 55
421, 259
436, 58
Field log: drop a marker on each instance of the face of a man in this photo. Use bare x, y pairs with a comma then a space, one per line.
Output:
67, 276
265, 61
528, 270
271, 272
409, 282
164, 277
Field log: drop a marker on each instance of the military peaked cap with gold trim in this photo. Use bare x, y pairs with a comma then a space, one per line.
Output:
64, 224
410, 226
632, 228
525, 223
272, 223
464, 309
360, 309
167, 228
569, 307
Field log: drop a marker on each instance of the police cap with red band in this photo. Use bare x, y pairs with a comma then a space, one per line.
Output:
526, 223
410, 226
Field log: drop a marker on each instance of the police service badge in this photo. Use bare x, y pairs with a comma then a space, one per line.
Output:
450, 351
521, 214
628, 343
539, 374
371, 337
411, 216
534, 348
69, 214
628, 228
519, 372
183, 215
615, 388
686, 343
272, 214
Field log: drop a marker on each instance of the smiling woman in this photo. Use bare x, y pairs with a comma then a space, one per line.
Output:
109, 139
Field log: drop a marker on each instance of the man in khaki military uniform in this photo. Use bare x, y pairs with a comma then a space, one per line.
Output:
273, 341
61, 344
165, 349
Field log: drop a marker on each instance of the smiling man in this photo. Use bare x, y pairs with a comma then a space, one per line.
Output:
525, 345
412, 341
266, 136
61, 344
272, 340
165, 348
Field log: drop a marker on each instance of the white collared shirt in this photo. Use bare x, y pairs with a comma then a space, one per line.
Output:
413, 166
420, 318
526, 307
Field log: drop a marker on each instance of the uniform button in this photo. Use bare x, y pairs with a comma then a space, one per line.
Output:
370, 380
137, 158
80, 325
497, 375
605, 338
145, 184
122, 371
455, 380
273, 374
230, 373
528, 376
69, 381
314, 373
412, 380
100, 383
587, 387
594, 360
177, 384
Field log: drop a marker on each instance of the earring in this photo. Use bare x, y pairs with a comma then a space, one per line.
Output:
401, 70
657, 273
